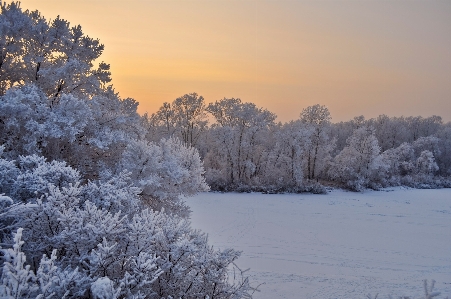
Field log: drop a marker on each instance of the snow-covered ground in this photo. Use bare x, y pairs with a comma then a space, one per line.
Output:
339, 245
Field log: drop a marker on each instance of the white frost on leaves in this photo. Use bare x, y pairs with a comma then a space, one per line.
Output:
103, 288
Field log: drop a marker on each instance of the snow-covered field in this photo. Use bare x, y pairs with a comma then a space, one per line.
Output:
339, 245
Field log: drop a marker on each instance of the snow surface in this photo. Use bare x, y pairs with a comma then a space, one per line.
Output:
339, 245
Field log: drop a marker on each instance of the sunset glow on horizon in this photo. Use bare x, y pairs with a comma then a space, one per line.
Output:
356, 57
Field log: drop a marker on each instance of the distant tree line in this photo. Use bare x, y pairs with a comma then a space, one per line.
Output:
244, 148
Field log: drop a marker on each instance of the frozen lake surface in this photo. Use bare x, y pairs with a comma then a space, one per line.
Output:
339, 245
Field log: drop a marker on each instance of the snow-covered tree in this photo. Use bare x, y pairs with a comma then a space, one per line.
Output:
56, 57
359, 163
321, 143
236, 142
426, 163
400, 160
293, 141
390, 132
191, 117
444, 146
164, 172
185, 118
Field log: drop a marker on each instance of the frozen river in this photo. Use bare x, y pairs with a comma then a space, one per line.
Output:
339, 245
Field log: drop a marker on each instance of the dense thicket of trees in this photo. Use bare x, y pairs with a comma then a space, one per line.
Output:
90, 199
244, 149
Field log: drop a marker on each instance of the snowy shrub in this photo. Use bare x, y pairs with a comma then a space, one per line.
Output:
426, 163
48, 281
104, 229
8, 173
359, 163
103, 288
164, 172
113, 193
26, 112
5, 201
37, 175
314, 187
151, 253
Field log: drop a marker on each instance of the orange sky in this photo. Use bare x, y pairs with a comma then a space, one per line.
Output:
356, 57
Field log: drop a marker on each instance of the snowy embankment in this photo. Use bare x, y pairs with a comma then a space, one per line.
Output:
339, 245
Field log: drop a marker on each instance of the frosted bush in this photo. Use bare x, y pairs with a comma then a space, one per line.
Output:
103, 288
141, 252
37, 175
